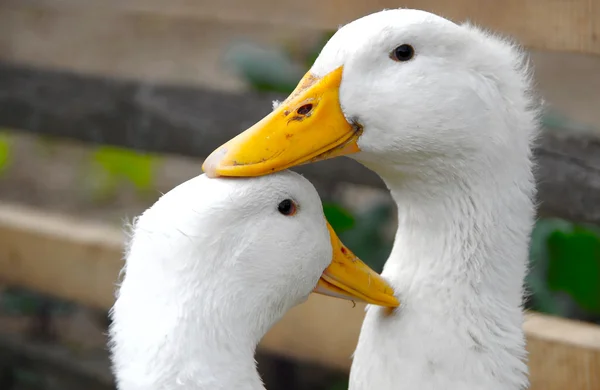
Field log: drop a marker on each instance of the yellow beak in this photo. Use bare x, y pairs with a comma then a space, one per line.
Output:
347, 277
308, 126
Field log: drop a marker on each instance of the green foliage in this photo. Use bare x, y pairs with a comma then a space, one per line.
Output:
363, 233
554, 120
265, 69
541, 298
574, 266
117, 165
367, 239
565, 269
272, 70
339, 218
5, 151
339, 385
19, 301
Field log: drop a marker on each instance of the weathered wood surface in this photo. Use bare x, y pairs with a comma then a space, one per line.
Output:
193, 121
80, 260
558, 350
572, 25
142, 45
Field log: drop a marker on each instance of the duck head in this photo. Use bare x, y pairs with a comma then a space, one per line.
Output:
401, 89
249, 243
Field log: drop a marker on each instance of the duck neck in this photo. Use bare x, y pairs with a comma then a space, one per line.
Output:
170, 333
463, 241
458, 265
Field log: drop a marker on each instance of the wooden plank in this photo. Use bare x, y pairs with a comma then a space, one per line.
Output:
547, 24
87, 255
192, 121
147, 46
564, 354
80, 260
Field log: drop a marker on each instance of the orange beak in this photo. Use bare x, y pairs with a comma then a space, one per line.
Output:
347, 277
308, 126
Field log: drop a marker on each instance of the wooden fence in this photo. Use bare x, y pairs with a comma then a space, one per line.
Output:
65, 70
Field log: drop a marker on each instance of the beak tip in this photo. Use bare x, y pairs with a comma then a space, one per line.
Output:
213, 161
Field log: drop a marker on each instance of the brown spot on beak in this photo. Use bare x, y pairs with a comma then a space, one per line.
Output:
307, 81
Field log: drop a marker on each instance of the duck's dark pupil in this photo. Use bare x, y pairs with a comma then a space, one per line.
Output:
285, 207
404, 52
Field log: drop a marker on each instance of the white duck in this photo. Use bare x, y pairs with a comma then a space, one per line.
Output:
211, 266
443, 113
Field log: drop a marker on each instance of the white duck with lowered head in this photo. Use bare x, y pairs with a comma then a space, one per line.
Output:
211, 266
443, 113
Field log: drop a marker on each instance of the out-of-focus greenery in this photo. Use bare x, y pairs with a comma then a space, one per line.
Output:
573, 267
5, 150
273, 70
364, 235
18, 301
339, 217
117, 165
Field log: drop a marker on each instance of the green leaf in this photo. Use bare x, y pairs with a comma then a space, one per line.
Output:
552, 119
21, 301
367, 240
542, 299
339, 385
125, 165
339, 218
265, 69
5, 151
574, 266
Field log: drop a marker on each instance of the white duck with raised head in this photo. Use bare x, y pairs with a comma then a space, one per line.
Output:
443, 113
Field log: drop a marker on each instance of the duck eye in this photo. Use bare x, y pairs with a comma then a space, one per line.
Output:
403, 53
287, 207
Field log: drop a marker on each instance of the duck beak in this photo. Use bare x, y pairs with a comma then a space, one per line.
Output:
308, 126
347, 277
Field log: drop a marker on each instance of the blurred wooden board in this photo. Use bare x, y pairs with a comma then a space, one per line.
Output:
80, 261
93, 38
183, 41
563, 354
571, 25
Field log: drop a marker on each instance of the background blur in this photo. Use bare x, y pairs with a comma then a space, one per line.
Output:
106, 104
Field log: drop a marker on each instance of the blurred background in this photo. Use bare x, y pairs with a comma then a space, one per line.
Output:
106, 104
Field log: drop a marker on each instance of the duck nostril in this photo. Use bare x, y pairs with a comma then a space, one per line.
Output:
305, 109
